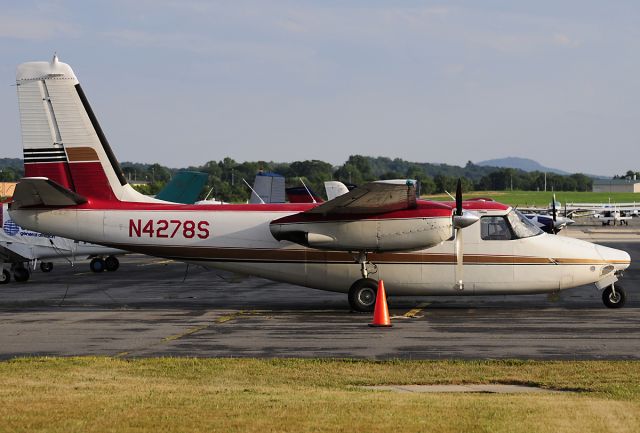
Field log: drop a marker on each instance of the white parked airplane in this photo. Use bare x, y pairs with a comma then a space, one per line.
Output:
20, 247
612, 215
74, 188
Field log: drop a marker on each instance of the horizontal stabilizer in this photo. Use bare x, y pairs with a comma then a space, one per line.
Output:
371, 198
41, 191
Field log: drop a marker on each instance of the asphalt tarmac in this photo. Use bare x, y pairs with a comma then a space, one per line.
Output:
154, 307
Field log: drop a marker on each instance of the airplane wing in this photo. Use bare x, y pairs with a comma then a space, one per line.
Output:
371, 198
41, 191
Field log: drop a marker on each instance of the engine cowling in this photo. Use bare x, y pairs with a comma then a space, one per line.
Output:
382, 233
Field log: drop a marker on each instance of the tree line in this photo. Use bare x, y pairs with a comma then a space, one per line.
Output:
226, 178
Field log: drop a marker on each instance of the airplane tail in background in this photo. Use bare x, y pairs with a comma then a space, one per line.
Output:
61, 137
268, 188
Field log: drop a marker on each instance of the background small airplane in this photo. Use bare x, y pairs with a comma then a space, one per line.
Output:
22, 249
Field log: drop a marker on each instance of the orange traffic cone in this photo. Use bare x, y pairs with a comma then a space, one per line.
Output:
381, 311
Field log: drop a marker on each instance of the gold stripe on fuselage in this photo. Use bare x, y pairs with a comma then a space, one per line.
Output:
317, 256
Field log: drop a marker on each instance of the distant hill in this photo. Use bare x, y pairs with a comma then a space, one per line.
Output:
11, 169
524, 164
11, 162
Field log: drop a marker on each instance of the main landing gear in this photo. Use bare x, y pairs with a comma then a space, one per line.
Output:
5, 277
98, 264
21, 273
362, 294
614, 296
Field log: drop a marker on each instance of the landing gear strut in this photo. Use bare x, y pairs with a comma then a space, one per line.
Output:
614, 296
363, 260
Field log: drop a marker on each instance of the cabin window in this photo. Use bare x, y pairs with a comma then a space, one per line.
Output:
495, 228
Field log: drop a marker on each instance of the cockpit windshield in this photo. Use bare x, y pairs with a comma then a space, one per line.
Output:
522, 226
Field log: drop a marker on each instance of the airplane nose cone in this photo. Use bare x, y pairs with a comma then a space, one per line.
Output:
620, 259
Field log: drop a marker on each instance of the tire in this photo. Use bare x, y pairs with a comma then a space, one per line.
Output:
97, 265
21, 274
611, 301
362, 295
112, 263
46, 266
5, 277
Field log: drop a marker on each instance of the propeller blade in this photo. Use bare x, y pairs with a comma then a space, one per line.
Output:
555, 213
459, 198
459, 285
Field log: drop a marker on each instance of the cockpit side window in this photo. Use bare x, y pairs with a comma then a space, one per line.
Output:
495, 228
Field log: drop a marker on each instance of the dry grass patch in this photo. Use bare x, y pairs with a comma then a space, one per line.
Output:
248, 395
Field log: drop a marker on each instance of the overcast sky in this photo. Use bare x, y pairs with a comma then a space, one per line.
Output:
184, 82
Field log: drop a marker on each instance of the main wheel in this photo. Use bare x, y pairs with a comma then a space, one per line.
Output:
614, 300
46, 266
112, 263
21, 274
97, 265
362, 295
5, 277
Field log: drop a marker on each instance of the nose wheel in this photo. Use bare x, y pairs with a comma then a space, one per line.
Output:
614, 296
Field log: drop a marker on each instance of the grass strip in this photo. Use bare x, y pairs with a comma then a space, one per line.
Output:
88, 394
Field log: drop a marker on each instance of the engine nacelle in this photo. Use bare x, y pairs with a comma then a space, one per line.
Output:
371, 235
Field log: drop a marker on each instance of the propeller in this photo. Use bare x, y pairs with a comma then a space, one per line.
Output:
554, 212
461, 220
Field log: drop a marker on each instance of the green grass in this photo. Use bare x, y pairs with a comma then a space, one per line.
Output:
540, 198
249, 395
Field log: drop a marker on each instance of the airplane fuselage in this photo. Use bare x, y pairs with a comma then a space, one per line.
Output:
237, 238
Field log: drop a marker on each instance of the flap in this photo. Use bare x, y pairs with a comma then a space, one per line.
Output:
371, 198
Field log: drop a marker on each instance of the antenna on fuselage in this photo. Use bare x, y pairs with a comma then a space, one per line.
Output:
308, 192
253, 190
452, 197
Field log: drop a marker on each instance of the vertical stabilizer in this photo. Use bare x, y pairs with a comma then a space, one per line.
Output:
268, 188
61, 137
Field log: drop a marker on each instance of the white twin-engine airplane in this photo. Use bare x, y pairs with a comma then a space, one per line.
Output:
74, 188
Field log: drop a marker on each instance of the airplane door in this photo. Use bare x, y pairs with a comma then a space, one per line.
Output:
489, 257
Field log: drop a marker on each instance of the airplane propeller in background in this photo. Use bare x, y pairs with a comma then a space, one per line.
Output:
554, 212
461, 219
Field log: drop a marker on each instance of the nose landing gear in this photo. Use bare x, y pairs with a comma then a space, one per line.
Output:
614, 296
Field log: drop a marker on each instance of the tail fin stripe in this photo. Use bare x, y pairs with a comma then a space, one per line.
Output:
46, 159
29, 152
82, 154
101, 136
